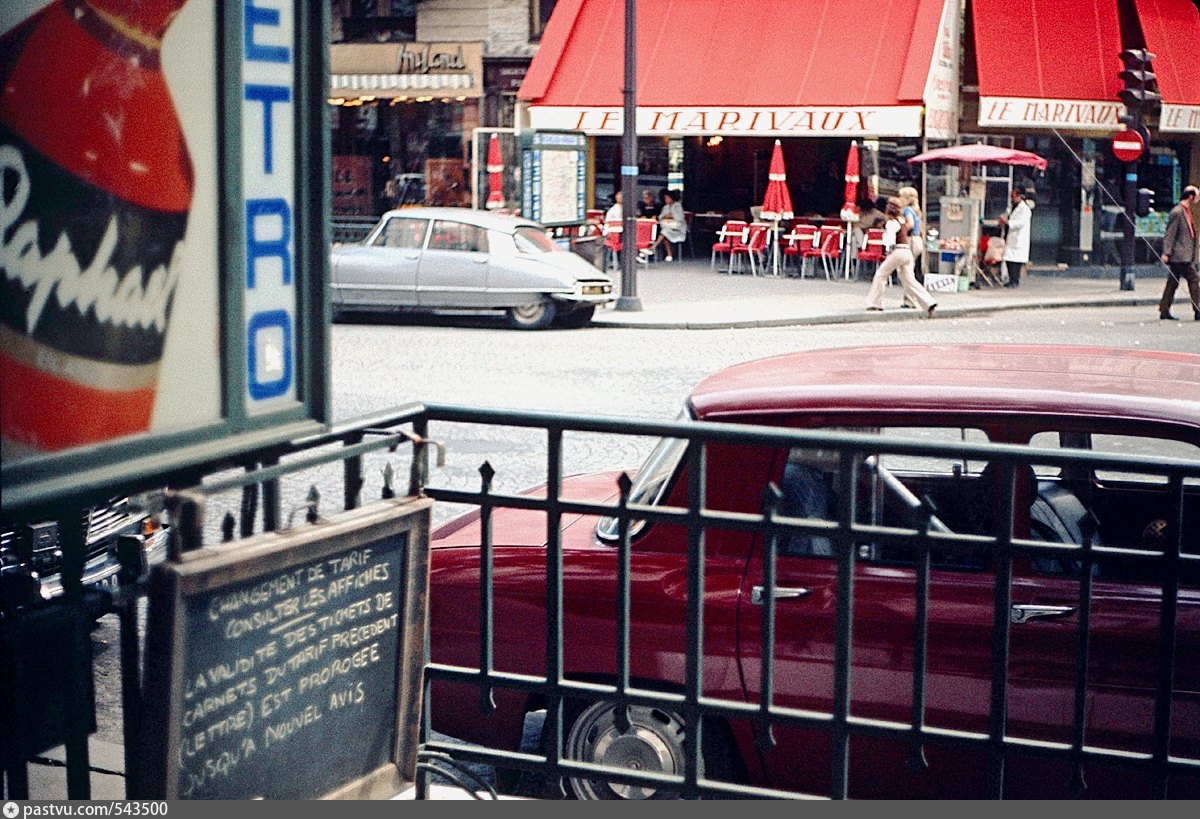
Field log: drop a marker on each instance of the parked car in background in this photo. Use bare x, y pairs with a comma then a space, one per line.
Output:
31, 554
1053, 398
456, 259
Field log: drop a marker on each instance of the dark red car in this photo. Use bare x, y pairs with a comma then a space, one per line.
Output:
1107, 400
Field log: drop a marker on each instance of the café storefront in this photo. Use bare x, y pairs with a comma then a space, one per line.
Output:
402, 117
718, 81
1044, 77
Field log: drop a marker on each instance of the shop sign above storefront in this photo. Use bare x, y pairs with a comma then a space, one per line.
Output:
895, 120
1020, 112
941, 87
1179, 118
406, 69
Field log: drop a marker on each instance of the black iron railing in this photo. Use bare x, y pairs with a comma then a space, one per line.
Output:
251, 494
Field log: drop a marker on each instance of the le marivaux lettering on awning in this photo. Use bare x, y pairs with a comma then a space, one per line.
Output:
1050, 113
753, 121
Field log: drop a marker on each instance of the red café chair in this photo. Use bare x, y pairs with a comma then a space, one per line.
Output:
647, 233
753, 248
731, 233
828, 247
612, 243
871, 251
802, 235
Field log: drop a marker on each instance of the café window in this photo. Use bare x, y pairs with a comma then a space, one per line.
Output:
539, 14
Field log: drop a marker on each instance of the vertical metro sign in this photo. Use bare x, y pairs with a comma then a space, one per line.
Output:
269, 190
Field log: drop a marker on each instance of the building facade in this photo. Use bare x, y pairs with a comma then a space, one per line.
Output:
411, 82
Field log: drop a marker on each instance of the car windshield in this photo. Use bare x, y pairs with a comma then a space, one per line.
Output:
529, 239
650, 482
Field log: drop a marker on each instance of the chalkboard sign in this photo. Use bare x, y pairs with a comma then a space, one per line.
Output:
287, 666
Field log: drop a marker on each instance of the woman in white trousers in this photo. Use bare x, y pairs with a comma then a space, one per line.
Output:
900, 261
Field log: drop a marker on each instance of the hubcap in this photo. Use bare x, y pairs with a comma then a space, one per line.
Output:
653, 743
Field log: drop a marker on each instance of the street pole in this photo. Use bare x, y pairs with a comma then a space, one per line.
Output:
628, 299
1127, 243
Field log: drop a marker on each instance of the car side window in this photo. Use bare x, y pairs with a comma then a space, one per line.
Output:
890, 486
449, 235
1131, 509
403, 233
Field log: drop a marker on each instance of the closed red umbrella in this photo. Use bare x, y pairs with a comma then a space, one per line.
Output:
495, 169
777, 202
850, 205
850, 208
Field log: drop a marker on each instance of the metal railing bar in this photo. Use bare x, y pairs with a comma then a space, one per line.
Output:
533, 763
859, 726
998, 709
1082, 658
743, 521
858, 443
554, 601
848, 468
917, 760
1168, 624
697, 469
766, 734
487, 702
624, 558
352, 475
279, 470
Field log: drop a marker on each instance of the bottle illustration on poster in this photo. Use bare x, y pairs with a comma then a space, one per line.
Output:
96, 211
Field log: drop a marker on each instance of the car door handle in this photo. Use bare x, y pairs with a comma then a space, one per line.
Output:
781, 593
1024, 613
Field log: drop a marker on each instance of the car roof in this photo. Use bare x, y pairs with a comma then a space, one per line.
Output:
483, 218
972, 378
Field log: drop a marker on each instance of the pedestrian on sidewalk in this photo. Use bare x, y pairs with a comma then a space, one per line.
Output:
910, 211
1180, 254
1016, 243
896, 237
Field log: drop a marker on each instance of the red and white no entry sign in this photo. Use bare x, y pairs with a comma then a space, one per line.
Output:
1127, 146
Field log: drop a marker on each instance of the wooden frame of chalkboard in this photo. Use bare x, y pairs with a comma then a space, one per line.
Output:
288, 665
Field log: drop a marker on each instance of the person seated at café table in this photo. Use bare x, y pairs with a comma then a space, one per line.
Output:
672, 224
648, 208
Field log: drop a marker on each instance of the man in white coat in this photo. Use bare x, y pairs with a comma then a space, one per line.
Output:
1016, 248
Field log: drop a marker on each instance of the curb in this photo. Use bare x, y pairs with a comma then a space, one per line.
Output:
898, 314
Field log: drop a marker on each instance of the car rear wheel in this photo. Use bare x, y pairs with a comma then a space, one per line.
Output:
579, 317
536, 315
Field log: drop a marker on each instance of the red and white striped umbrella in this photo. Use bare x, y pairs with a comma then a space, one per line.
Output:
495, 168
777, 202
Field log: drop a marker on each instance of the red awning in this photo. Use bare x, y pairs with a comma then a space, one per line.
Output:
768, 67
1048, 63
1172, 31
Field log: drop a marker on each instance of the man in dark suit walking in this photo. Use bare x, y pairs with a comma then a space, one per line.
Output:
1180, 255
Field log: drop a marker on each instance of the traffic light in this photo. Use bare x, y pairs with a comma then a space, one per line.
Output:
1140, 93
1145, 201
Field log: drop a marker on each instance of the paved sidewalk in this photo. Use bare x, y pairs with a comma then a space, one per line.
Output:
689, 294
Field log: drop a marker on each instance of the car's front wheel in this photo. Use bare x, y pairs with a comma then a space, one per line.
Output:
536, 315
653, 743
579, 317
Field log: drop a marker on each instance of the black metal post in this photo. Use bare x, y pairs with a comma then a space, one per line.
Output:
628, 299
1127, 242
